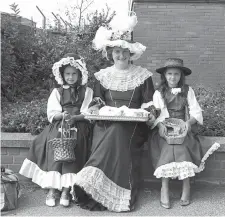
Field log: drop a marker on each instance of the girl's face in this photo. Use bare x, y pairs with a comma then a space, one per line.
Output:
173, 76
121, 56
70, 75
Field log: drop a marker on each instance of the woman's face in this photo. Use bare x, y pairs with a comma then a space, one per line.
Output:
70, 75
120, 55
173, 76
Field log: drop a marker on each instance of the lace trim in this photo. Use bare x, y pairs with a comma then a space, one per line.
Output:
212, 149
103, 190
51, 179
174, 170
137, 49
78, 64
183, 170
122, 80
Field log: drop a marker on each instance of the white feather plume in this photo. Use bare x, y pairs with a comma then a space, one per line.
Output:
123, 22
102, 35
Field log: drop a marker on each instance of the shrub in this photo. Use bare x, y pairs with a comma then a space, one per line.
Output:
213, 106
25, 117
30, 117
29, 53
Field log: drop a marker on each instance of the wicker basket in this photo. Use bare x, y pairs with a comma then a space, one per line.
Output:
64, 147
174, 123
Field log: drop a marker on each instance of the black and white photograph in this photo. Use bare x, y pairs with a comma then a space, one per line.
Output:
112, 107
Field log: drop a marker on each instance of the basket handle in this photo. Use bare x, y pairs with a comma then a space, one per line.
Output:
62, 124
62, 127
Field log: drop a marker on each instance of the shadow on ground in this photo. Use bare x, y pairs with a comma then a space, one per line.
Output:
207, 200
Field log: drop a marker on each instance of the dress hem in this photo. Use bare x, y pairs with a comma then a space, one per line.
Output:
183, 170
50, 179
95, 183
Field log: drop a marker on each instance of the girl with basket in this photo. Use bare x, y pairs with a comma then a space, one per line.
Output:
178, 156
61, 150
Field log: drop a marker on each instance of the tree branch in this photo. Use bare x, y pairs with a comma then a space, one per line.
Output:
87, 6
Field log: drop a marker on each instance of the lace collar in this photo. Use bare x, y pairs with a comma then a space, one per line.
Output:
122, 80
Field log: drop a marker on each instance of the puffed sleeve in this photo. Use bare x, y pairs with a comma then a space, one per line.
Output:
194, 107
147, 93
53, 106
160, 105
88, 97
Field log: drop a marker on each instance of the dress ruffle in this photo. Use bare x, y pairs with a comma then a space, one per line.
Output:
78, 64
122, 80
51, 179
180, 170
103, 190
183, 170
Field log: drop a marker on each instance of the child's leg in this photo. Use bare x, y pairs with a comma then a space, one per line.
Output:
165, 201
51, 196
185, 198
65, 198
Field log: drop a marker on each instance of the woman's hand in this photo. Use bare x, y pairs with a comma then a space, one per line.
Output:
162, 129
151, 120
93, 109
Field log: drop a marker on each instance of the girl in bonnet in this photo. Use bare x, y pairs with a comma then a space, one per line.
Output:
70, 101
175, 99
109, 179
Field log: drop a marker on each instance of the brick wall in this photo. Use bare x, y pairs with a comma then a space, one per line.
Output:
15, 146
194, 32
12, 158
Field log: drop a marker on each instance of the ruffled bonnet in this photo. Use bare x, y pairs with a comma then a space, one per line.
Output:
73, 60
118, 34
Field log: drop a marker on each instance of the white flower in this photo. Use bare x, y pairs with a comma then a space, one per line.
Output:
175, 91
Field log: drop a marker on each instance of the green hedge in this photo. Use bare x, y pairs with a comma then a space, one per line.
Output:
29, 53
30, 117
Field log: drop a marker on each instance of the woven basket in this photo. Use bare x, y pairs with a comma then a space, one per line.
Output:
173, 123
64, 147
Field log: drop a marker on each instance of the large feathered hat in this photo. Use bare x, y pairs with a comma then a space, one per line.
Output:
118, 34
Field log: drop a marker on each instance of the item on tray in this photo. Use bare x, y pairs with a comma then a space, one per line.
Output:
122, 111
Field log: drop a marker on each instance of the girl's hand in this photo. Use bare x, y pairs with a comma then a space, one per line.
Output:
66, 115
72, 120
162, 129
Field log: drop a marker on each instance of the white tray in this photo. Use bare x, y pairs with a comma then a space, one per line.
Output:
115, 118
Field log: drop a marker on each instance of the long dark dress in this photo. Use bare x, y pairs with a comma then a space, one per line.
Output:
40, 165
110, 176
178, 161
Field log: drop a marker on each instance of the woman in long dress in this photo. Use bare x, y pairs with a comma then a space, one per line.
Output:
109, 179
